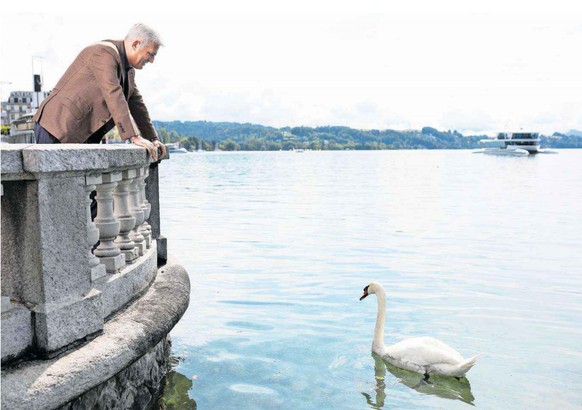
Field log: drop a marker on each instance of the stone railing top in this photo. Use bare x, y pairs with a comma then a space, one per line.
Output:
42, 158
11, 158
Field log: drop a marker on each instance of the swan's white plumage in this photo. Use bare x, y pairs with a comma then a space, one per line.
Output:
424, 355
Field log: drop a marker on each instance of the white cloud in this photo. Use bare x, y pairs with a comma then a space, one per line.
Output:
478, 72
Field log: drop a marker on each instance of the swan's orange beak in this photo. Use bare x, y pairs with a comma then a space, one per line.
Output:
365, 293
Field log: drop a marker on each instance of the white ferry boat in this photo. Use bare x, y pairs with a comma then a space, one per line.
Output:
512, 143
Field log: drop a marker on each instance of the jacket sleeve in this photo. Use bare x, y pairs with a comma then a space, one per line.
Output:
141, 116
107, 72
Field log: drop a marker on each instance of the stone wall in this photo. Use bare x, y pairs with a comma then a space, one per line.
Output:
136, 387
87, 300
126, 338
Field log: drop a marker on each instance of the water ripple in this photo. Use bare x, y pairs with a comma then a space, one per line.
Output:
478, 251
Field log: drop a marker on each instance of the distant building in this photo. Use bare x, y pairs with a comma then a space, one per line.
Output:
20, 103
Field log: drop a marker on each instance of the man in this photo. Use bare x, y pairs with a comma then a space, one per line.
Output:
98, 92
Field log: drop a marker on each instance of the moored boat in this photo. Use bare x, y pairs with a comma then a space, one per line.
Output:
512, 143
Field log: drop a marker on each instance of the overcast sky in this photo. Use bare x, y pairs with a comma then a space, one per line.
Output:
469, 71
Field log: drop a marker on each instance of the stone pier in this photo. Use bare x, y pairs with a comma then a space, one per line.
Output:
83, 300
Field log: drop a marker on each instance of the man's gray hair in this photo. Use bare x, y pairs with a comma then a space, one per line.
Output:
145, 34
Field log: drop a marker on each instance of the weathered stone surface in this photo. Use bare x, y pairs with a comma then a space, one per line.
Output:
82, 157
21, 259
45, 258
16, 331
133, 388
64, 242
60, 324
11, 158
44, 230
126, 338
119, 289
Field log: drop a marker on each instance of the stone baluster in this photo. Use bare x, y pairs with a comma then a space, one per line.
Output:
145, 229
123, 213
97, 268
107, 251
137, 211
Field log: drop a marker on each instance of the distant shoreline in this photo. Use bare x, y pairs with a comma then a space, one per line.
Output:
232, 136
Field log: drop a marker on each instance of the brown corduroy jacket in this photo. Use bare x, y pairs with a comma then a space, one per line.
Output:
94, 95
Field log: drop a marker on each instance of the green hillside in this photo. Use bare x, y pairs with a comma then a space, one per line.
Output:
230, 136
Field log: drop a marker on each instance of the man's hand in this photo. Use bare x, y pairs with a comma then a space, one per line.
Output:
161, 147
142, 142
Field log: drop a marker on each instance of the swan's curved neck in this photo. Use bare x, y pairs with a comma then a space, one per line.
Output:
380, 319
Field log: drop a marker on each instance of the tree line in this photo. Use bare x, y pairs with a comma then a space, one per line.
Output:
227, 136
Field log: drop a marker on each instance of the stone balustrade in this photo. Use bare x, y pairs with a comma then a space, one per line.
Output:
65, 273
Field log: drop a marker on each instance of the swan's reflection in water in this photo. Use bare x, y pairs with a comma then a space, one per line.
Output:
441, 386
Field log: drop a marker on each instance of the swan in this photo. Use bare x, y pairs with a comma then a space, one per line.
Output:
424, 355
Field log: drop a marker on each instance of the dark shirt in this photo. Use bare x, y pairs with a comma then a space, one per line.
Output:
127, 67
125, 62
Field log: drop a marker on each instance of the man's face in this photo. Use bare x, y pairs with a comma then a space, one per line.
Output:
140, 55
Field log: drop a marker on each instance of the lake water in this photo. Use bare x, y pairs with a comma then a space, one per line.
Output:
482, 252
